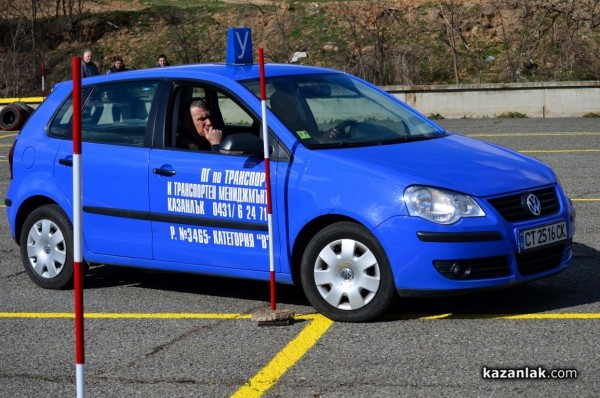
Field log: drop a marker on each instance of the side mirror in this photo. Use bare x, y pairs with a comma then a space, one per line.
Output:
241, 144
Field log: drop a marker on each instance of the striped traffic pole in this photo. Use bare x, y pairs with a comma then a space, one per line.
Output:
43, 80
77, 231
266, 146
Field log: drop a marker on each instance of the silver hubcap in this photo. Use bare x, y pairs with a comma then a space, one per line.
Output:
347, 274
46, 249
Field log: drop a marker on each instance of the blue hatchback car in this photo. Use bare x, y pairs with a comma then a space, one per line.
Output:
370, 199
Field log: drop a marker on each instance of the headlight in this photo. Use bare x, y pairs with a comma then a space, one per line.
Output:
440, 206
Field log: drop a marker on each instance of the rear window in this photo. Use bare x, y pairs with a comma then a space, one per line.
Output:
112, 114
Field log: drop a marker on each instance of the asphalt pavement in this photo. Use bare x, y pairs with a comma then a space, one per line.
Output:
151, 334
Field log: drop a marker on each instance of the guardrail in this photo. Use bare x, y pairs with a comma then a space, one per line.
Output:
547, 99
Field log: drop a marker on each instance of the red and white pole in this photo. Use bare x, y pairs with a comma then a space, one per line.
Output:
43, 80
266, 147
77, 230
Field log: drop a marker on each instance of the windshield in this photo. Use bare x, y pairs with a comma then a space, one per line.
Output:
337, 110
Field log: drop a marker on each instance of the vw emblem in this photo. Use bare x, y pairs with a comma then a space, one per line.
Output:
347, 274
533, 204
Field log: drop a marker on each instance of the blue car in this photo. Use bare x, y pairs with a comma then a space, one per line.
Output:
370, 199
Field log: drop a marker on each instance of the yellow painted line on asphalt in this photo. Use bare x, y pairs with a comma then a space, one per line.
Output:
8, 136
132, 315
565, 134
308, 317
136, 315
174, 315
558, 150
576, 315
549, 316
285, 359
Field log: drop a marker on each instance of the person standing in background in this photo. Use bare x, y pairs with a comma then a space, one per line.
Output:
163, 61
88, 67
119, 66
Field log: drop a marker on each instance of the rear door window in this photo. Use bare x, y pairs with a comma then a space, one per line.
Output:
115, 113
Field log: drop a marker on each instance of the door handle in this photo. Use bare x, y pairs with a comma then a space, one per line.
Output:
163, 172
66, 162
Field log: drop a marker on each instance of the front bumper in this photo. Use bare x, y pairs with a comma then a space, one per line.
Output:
473, 254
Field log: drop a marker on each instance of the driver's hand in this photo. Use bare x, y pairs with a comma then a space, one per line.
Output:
214, 136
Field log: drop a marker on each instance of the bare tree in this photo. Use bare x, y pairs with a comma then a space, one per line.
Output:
379, 47
16, 38
594, 13
197, 37
383, 41
355, 50
446, 13
281, 46
506, 40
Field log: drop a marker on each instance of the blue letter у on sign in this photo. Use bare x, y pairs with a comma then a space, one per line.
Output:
239, 46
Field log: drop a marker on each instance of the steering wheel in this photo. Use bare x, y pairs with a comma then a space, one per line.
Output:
341, 130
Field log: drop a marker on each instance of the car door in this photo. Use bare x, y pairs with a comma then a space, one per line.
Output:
115, 159
209, 209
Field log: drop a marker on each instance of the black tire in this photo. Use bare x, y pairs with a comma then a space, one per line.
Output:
354, 282
26, 108
11, 118
27, 111
47, 247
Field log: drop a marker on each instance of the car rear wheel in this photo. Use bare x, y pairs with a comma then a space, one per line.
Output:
47, 247
346, 275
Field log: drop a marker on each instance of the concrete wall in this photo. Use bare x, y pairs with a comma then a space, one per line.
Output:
555, 99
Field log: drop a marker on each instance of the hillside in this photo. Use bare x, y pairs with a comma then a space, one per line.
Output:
387, 42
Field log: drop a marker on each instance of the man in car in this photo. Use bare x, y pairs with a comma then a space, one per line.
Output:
199, 132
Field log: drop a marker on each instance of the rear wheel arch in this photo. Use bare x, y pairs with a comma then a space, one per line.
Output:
47, 247
26, 208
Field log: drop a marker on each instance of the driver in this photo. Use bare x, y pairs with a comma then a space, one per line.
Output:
199, 131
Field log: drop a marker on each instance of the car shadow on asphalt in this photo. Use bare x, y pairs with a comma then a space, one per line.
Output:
576, 286
100, 277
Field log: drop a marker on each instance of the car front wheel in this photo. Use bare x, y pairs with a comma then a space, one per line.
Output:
47, 247
346, 275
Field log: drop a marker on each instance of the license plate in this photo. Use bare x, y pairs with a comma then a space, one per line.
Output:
533, 238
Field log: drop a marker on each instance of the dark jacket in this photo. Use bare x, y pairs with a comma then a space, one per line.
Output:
88, 70
115, 70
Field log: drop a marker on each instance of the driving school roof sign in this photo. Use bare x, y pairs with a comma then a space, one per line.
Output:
239, 46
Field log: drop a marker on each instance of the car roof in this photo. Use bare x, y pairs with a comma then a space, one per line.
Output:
203, 71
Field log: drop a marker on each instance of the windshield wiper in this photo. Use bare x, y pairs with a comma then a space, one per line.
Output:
415, 138
340, 144
399, 140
